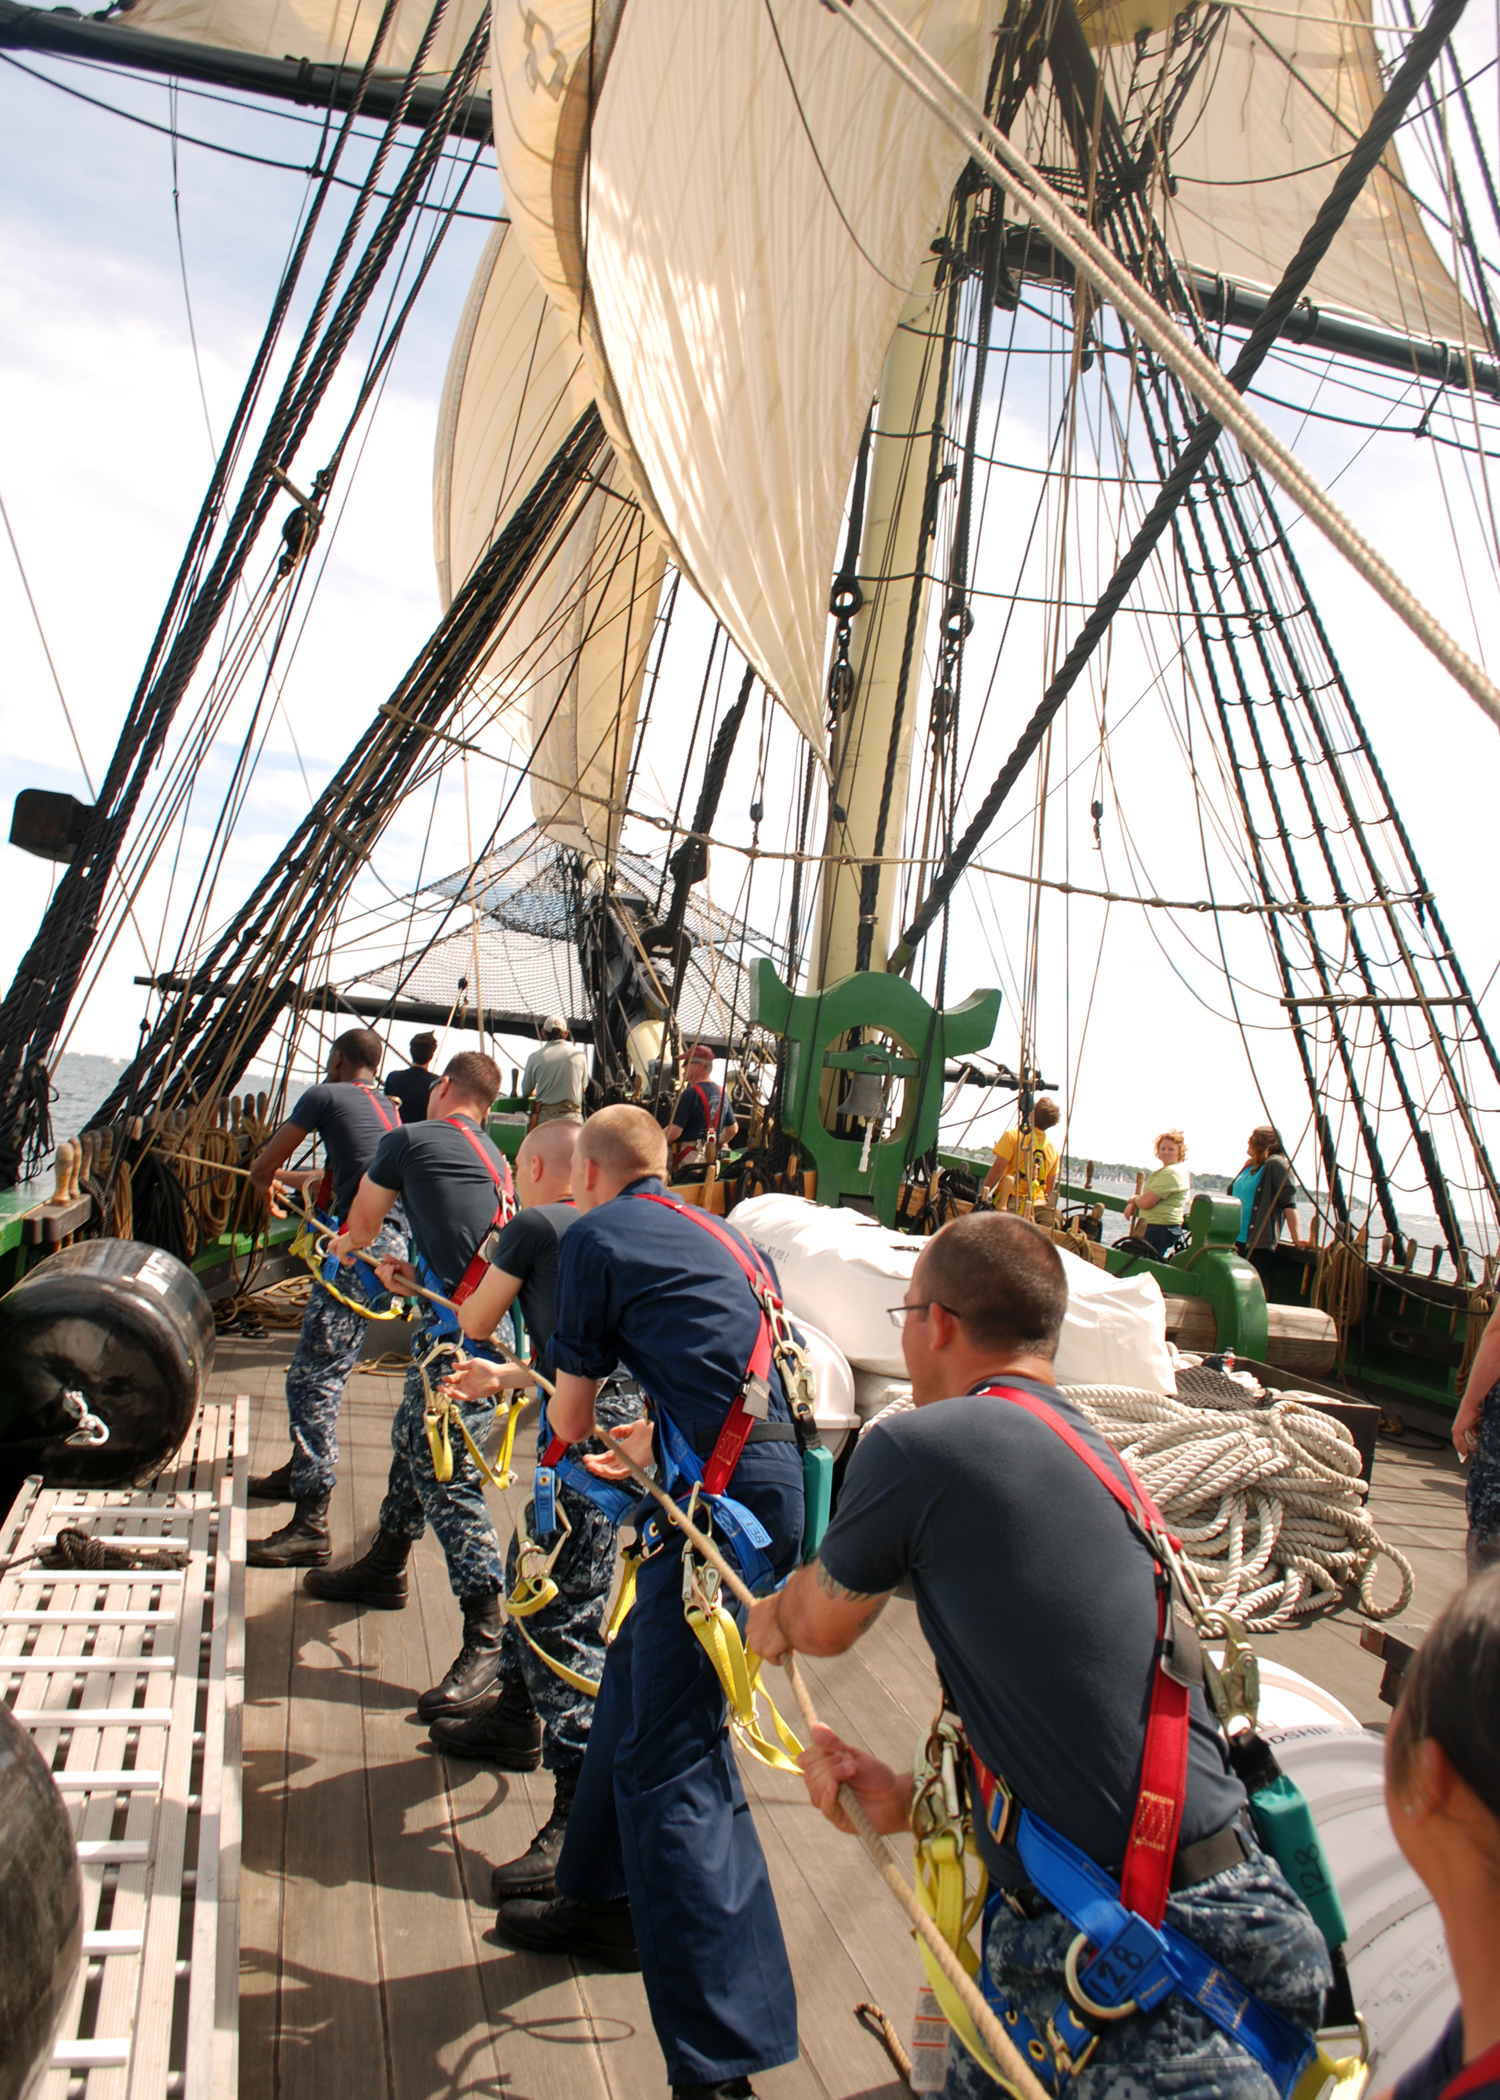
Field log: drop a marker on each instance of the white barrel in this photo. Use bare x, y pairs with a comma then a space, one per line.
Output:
1397, 1952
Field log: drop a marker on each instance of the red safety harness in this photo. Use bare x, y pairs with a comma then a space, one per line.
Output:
1147, 1877
469, 1282
324, 1196
755, 1387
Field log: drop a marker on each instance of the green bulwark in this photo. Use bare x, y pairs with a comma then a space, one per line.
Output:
878, 1027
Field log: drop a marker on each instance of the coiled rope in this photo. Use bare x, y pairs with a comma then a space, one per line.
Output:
1268, 1501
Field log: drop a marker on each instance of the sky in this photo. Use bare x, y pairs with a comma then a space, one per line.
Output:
105, 447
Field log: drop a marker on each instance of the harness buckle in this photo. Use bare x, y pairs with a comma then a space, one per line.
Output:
1071, 2054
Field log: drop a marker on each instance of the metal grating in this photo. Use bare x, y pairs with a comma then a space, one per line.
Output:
132, 1684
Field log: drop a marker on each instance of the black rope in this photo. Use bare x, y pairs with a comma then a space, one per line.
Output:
1419, 57
44, 985
205, 1036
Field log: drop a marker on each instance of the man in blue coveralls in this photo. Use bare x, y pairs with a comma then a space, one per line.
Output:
661, 1865
351, 1115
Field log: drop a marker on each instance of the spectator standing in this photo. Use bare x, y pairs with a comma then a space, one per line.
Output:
410, 1089
1162, 1203
556, 1074
1274, 1202
1028, 1158
1476, 1439
1442, 1793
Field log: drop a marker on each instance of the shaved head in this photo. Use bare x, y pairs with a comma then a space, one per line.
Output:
624, 1142
552, 1143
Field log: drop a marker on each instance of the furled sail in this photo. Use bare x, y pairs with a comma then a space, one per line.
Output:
565, 676
326, 32
758, 194
1254, 152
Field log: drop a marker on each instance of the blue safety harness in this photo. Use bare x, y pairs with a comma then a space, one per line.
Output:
1133, 1965
1133, 1968
682, 1471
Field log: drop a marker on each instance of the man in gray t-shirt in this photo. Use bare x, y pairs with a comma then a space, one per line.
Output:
351, 1115
1037, 1595
556, 1074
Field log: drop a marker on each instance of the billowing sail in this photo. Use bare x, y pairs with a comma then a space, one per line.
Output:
758, 194
567, 669
1255, 151
328, 32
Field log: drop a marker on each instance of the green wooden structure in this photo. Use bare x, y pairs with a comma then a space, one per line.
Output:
875, 1026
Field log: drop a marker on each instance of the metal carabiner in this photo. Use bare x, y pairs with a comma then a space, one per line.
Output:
91, 1431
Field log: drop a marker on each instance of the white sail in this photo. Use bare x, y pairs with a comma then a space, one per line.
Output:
565, 676
515, 386
1257, 148
327, 32
760, 193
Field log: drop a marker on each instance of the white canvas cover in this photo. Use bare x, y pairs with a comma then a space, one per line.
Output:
328, 32
565, 674
844, 1270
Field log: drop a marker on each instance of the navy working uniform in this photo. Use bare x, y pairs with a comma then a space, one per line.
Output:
1039, 1602
660, 1816
571, 1628
453, 1185
351, 1117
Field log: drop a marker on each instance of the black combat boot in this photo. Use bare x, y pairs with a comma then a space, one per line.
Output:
273, 1487
601, 1932
728, 2089
507, 1734
470, 1684
533, 1874
301, 1544
378, 1578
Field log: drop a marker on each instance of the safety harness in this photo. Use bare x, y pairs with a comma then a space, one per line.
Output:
319, 1225
1124, 1959
505, 1209
700, 1486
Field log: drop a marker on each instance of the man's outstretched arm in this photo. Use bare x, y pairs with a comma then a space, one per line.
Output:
815, 1613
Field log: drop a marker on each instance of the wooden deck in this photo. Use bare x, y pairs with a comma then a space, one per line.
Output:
368, 1970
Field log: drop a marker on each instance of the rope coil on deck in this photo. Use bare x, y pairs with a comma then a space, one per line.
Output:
1268, 1501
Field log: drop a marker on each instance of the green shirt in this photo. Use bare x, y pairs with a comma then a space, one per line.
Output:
1169, 1185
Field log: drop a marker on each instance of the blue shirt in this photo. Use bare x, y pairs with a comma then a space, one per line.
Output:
1244, 1185
701, 1107
646, 1286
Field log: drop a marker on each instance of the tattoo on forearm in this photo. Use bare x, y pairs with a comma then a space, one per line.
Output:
837, 1590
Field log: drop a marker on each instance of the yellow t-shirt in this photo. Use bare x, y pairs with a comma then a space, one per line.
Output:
1041, 1157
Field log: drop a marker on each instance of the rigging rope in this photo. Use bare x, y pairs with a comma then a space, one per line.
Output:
1220, 395
1268, 1501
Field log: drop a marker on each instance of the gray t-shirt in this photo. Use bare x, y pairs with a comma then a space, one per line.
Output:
446, 1176
528, 1249
557, 1072
351, 1120
1038, 1601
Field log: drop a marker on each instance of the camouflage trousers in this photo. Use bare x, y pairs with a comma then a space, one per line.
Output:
456, 1509
1482, 1491
1247, 1919
331, 1343
571, 1628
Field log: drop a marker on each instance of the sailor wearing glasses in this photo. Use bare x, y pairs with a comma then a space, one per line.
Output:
1098, 1779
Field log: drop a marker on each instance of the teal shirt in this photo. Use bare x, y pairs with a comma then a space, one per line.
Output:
1244, 1185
